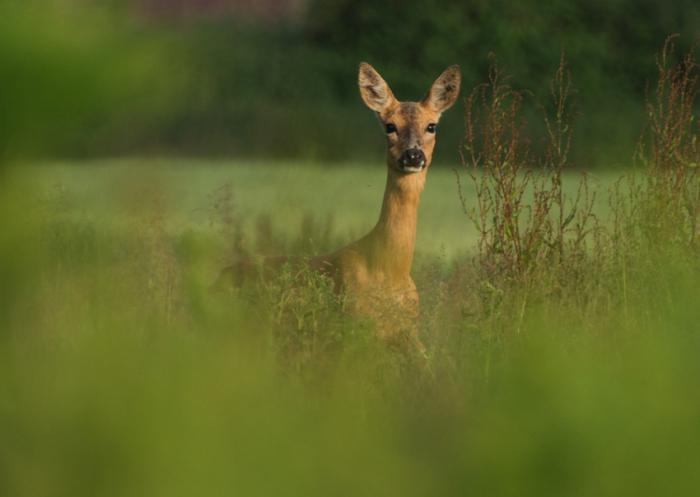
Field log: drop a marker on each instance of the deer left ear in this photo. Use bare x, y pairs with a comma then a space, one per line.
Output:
445, 90
373, 89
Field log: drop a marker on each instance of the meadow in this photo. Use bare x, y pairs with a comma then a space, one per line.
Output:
346, 198
559, 309
121, 374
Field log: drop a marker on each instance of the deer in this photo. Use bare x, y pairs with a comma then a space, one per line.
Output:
374, 272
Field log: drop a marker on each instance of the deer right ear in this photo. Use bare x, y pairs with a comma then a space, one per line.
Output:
373, 89
444, 91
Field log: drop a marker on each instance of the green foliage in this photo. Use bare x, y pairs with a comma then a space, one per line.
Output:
289, 90
76, 78
608, 45
108, 80
120, 373
417, 38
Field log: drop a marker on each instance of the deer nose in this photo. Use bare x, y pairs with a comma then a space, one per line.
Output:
412, 157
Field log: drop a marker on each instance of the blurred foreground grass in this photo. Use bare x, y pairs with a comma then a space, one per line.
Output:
121, 375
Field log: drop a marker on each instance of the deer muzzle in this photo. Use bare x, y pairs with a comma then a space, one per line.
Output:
412, 160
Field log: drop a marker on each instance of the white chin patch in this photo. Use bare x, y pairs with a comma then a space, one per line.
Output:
413, 168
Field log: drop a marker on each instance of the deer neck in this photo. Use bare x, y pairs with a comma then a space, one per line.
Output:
393, 239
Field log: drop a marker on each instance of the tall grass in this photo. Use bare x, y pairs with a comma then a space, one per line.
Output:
524, 219
669, 150
563, 350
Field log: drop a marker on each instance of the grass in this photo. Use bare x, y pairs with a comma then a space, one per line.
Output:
347, 195
121, 375
562, 337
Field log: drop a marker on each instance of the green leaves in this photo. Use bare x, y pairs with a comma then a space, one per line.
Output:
70, 72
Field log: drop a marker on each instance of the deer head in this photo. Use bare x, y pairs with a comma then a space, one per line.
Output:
410, 126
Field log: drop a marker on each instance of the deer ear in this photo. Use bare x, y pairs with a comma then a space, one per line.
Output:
373, 89
445, 90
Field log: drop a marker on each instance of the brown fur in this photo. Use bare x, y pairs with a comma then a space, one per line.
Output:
375, 271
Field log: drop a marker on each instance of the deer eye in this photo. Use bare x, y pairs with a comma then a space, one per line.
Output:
390, 128
431, 128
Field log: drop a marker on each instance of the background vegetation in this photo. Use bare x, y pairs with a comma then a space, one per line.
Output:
559, 309
276, 79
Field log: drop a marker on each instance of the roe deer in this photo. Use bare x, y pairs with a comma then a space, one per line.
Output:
374, 272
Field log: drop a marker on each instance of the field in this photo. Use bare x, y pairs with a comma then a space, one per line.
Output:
122, 375
558, 309
347, 197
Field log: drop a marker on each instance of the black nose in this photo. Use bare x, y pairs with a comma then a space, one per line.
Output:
412, 157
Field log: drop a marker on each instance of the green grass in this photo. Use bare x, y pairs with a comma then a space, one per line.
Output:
121, 375
348, 195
